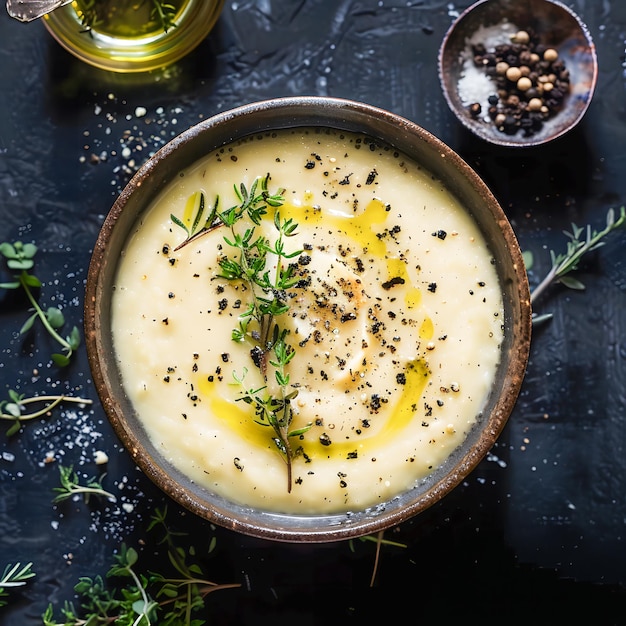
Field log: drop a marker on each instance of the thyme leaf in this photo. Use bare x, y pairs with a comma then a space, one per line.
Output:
14, 575
70, 486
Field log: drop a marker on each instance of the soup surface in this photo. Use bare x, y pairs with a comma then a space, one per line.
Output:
390, 331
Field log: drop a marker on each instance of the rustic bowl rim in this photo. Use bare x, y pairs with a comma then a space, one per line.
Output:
290, 112
492, 135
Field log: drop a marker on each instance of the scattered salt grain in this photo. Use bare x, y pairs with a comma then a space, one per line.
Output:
50, 457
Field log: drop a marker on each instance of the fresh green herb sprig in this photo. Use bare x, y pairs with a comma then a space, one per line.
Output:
20, 256
93, 13
568, 261
14, 576
88, 13
148, 598
258, 324
379, 539
164, 14
70, 486
13, 408
253, 202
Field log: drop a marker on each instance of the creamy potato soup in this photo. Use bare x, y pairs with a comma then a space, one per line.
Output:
378, 356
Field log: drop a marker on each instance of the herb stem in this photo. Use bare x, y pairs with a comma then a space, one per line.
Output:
42, 316
71, 486
568, 261
543, 285
53, 402
195, 236
89, 491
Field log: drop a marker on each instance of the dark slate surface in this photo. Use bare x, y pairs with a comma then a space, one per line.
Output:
535, 535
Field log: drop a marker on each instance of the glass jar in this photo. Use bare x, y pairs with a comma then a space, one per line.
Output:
128, 36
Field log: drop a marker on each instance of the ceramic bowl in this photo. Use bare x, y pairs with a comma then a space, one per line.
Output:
188, 148
555, 26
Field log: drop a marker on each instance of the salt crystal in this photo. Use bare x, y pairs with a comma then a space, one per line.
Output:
474, 86
491, 36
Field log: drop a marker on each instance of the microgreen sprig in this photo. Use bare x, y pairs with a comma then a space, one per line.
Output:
70, 486
251, 261
568, 261
20, 256
14, 576
13, 408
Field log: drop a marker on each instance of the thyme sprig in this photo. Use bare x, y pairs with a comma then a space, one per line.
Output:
14, 407
93, 12
70, 486
258, 325
164, 13
147, 598
568, 261
255, 202
14, 575
20, 256
379, 539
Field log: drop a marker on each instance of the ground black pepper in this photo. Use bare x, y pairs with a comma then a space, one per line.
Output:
325, 439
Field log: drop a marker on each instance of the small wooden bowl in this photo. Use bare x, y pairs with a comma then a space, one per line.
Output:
556, 26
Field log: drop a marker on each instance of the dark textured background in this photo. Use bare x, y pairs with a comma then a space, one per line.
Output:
535, 535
